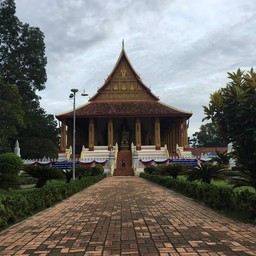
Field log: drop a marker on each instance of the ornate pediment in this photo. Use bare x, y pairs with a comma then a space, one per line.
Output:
124, 84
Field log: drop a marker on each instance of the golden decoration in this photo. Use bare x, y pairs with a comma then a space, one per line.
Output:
132, 87
123, 88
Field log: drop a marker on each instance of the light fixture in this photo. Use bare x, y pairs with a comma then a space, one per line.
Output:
73, 95
84, 93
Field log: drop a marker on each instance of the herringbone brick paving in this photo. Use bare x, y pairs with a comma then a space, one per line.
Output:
128, 216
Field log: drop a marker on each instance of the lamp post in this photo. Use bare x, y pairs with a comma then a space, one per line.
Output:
74, 131
73, 95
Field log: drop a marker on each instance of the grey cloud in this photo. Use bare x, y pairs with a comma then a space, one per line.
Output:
182, 49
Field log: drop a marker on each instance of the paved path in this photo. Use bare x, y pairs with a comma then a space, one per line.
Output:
128, 216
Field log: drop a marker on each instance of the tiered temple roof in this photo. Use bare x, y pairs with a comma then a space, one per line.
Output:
124, 95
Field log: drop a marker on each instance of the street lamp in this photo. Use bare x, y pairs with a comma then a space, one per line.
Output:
73, 95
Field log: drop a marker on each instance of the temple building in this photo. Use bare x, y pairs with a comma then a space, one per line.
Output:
124, 113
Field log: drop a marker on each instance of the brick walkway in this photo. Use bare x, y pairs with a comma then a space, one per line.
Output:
128, 216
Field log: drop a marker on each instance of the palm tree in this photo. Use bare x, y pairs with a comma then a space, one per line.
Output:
241, 177
222, 158
206, 172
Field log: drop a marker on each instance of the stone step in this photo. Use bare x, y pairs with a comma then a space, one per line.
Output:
125, 170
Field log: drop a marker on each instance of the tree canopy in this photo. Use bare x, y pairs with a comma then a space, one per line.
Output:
208, 136
233, 110
11, 115
22, 53
22, 63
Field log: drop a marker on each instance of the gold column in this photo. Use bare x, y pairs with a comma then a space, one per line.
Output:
169, 146
182, 134
157, 133
110, 133
91, 134
69, 136
185, 134
173, 139
138, 133
63, 136
177, 133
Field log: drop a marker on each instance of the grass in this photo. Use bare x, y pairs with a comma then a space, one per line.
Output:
56, 182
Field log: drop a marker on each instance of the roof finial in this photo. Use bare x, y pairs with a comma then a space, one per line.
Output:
123, 45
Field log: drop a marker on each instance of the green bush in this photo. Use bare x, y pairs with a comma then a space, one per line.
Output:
220, 198
69, 175
173, 170
161, 169
83, 171
150, 169
15, 207
43, 174
97, 170
10, 164
26, 179
9, 181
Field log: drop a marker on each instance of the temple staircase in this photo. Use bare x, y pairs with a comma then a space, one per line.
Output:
127, 170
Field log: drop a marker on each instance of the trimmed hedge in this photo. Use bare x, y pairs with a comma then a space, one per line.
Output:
15, 207
10, 165
43, 174
219, 198
172, 170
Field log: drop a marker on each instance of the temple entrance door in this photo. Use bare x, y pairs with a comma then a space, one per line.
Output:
124, 133
124, 140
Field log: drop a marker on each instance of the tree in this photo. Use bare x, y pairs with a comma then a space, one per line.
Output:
222, 158
43, 174
206, 172
22, 62
233, 110
241, 177
22, 53
41, 136
11, 115
208, 136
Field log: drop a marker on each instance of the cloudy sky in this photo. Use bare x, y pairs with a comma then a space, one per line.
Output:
182, 49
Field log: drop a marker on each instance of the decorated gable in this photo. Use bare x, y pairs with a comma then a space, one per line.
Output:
123, 84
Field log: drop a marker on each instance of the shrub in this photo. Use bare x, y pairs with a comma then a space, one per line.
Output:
161, 170
43, 174
9, 181
26, 179
219, 198
14, 207
83, 171
206, 172
97, 170
150, 169
10, 164
174, 170
242, 177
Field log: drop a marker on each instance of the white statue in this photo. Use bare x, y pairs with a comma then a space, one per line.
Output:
17, 148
